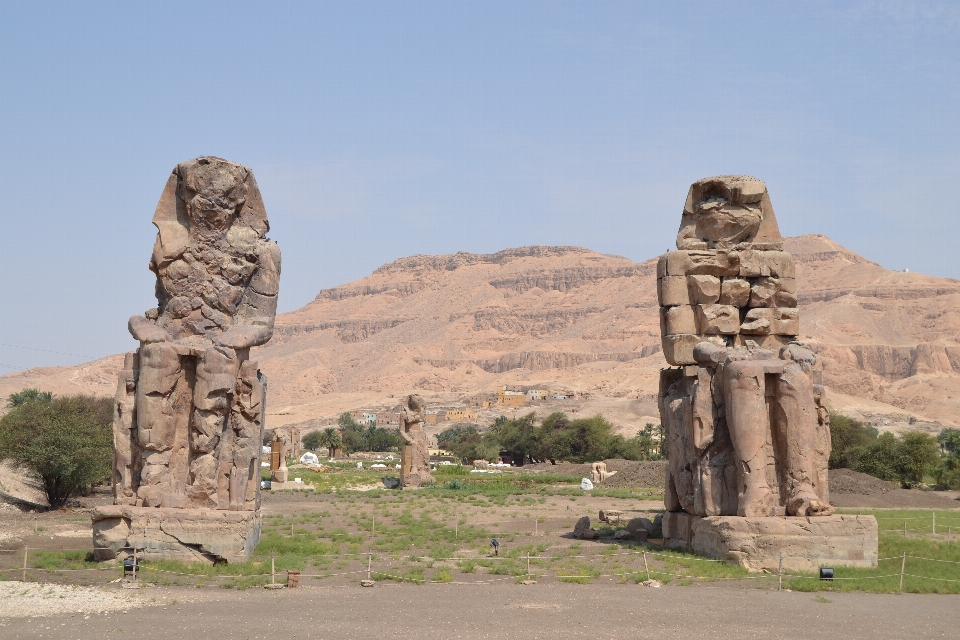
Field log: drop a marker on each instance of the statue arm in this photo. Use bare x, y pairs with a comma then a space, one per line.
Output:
147, 331
258, 307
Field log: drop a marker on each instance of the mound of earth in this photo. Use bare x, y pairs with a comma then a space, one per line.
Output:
630, 473
849, 481
852, 489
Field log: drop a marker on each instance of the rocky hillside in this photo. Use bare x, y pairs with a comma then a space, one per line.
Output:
587, 322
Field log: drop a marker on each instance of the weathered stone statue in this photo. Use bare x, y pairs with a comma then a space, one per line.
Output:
415, 457
190, 403
744, 411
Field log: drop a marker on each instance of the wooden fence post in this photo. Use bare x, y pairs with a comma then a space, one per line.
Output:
645, 566
780, 573
369, 562
903, 567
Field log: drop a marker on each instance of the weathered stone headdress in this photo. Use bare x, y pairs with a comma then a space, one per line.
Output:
203, 181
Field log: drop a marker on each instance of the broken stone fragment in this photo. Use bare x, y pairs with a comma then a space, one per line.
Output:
752, 264
718, 319
583, 531
763, 292
703, 289
786, 322
678, 350
674, 263
677, 320
779, 264
713, 263
758, 321
735, 291
672, 291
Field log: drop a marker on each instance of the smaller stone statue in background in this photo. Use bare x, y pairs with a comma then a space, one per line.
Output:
415, 458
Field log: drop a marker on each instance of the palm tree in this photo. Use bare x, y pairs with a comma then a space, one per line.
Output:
331, 439
21, 398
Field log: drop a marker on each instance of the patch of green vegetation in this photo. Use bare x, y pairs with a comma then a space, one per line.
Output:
65, 560
577, 572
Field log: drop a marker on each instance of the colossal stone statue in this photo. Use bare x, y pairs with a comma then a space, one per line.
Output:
190, 404
415, 457
744, 410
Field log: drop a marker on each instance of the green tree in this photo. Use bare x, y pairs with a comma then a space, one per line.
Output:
878, 458
580, 440
948, 469
21, 398
451, 435
949, 441
918, 454
66, 441
312, 440
520, 437
847, 437
380, 439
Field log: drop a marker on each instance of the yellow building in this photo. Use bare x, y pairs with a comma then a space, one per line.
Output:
459, 415
511, 397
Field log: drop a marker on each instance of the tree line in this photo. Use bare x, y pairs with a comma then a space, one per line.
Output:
908, 459
557, 439
349, 437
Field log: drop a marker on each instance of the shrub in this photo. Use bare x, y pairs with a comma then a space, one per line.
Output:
66, 441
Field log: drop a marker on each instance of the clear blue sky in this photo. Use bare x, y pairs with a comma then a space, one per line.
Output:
379, 130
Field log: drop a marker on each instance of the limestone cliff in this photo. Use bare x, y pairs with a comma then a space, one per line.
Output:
580, 320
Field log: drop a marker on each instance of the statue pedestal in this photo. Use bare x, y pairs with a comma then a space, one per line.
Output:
189, 535
807, 543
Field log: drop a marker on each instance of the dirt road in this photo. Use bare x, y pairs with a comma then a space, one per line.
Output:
503, 611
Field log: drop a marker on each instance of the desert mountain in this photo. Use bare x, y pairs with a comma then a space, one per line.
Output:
574, 319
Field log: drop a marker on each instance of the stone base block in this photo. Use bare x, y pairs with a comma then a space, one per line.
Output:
807, 543
178, 534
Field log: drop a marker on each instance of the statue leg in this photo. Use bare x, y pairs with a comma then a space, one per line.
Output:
795, 424
246, 420
162, 391
126, 451
212, 399
747, 421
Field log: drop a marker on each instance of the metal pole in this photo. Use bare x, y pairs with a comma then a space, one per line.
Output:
904, 528
373, 525
536, 527
369, 562
903, 566
456, 529
528, 566
273, 569
934, 523
780, 574
645, 567
134, 564
24, 576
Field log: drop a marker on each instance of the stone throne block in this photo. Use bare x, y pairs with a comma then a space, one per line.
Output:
190, 404
743, 408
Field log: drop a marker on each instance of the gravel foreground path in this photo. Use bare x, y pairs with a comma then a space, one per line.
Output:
505, 611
